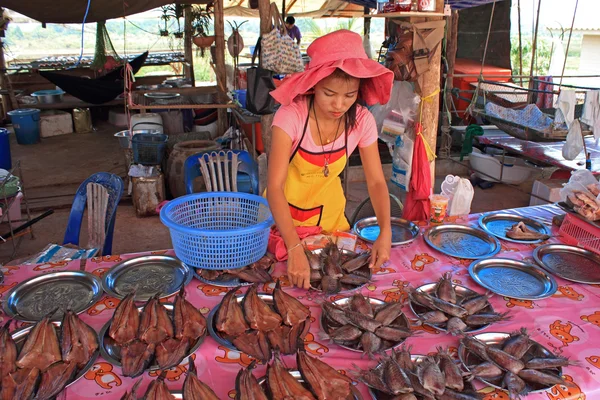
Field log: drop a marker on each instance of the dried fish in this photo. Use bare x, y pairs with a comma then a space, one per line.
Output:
451, 371
291, 310
158, 389
155, 324
550, 362
403, 357
282, 385
434, 317
514, 384
8, 352
356, 263
505, 360
543, 378
449, 308
314, 260
445, 290
475, 346
371, 343
372, 378
517, 344
431, 376
78, 340
330, 285
125, 322
450, 394
393, 334
132, 395
41, 349
230, 317
335, 313
418, 387
259, 314
395, 378
252, 275
486, 370
188, 320
455, 326
255, 344
194, 388
246, 385
362, 321
360, 304
278, 338
135, 357
19, 384
388, 313
354, 280
54, 379
520, 231
423, 299
171, 352
325, 382
484, 319
346, 333
475, 304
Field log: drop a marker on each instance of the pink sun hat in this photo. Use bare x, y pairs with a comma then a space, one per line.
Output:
341, 49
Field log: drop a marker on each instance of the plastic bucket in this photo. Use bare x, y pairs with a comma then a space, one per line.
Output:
26, 122
5, 160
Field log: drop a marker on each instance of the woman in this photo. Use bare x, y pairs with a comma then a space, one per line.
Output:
318, 126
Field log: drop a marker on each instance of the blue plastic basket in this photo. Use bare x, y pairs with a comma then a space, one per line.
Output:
218, 230
148, 148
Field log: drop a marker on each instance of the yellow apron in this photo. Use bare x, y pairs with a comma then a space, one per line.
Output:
316, 199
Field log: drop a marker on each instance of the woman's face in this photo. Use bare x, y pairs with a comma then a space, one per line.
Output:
335, 95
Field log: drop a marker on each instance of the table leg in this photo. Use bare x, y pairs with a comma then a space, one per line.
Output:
502, 164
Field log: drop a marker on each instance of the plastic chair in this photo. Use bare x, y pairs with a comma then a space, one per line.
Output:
114, 187
365, 209
247, 176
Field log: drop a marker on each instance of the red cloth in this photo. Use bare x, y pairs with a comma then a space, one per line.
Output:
277, 246
416, 206
341, 49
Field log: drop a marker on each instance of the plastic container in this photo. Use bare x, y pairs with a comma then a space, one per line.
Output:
5, 159
26, 122
438, 207
240, 96
148, 149
577, 232
426, 5
218, 230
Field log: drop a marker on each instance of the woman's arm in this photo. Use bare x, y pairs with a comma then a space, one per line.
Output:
281, 145
380, 198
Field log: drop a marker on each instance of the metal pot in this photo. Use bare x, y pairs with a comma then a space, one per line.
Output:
48, 96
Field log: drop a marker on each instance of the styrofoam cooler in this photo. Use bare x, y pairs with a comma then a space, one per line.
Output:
55, 123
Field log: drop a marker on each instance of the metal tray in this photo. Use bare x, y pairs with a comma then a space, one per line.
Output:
498, 223
495, 339
343, 302
569, 262
513, 278
211, 320
228, 283
462, 241
462, 292
32, 299
570, 210
19, 336
348, 254
147, 275
112, 352
296, 374
403, 231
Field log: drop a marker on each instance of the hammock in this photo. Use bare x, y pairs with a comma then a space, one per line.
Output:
99, 90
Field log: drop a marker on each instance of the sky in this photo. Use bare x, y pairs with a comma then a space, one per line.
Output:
556, 13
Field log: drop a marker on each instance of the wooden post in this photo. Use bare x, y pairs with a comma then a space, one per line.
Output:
533, 50
451, 46
220, 62
187, 44
266, 24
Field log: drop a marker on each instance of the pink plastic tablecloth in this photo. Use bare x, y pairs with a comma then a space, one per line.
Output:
568, 322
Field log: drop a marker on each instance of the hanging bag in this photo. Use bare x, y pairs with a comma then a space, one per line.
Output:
280, 53
260, 84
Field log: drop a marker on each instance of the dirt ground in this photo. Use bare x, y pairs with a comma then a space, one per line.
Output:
53, 169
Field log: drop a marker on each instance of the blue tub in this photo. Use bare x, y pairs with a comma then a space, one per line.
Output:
26, 122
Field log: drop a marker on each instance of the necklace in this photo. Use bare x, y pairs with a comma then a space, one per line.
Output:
326, 163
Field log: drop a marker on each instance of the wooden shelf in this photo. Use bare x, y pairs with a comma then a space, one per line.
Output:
405, 14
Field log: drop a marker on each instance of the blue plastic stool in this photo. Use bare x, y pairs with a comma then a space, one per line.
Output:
26, 122
114, 185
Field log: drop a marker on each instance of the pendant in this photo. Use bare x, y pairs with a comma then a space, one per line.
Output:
326, 169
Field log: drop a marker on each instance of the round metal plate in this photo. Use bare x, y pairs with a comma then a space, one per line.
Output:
34, 298
19, 336
346, 254
513, 278
569, 262
403, 231
462, 241
495, 339
296, 374
112, 352
147, 275
343, 302
498, 223
462, 292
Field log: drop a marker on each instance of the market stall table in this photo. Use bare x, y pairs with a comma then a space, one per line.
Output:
567, 323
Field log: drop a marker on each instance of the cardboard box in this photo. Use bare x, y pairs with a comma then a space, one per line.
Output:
547, 191
54, 123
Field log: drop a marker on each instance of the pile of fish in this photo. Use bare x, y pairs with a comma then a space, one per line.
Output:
45, 364
332, 271
257, 272
585, 203
193, 388
448, 310
400, 376
257, 328
520, 231
154, 334
361, 325
517, 364
320, 381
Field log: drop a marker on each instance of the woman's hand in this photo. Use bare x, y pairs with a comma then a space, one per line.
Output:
380, 252
298, 268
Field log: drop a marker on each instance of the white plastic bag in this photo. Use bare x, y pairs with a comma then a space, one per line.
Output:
574, 142
401, 108
460, 191
402, 161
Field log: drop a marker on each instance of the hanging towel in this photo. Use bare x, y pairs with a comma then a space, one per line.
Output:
565, 107
467, 146
544, 100
591, 111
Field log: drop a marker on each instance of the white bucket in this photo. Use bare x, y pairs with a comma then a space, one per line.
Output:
147, 121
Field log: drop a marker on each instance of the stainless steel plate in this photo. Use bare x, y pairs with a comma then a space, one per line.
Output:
19, 336
228, 282
462, 292
498, 223
346, 255
296, 374
513, 278
403, 231
462, 241
147, 275
569, 262
32, 299
402, 319
212, 320
495, 339
111, 352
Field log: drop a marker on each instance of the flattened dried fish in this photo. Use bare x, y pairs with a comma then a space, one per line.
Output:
188, 320
19, 384
230, 317
356, 263
360, 304
282, 385
371, 343
451, 371
431, 376
291, 310
135, 357
194, 388
393, 334
325, 382
362, 321
246, 385
347, 333
395, 378
171, 352
445, 290
252, 275
78, 340
158, 389
335, 313
125, 322
520, 231
388, 313
54, 379
155, 324
41, 349
8, 352
403, 357
372, 378
258, 314
517, 344
434, 317
132, 395
255, 344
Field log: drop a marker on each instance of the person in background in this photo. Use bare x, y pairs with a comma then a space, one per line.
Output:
293, 31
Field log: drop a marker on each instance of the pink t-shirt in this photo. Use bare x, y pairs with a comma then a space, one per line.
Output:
291, 119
